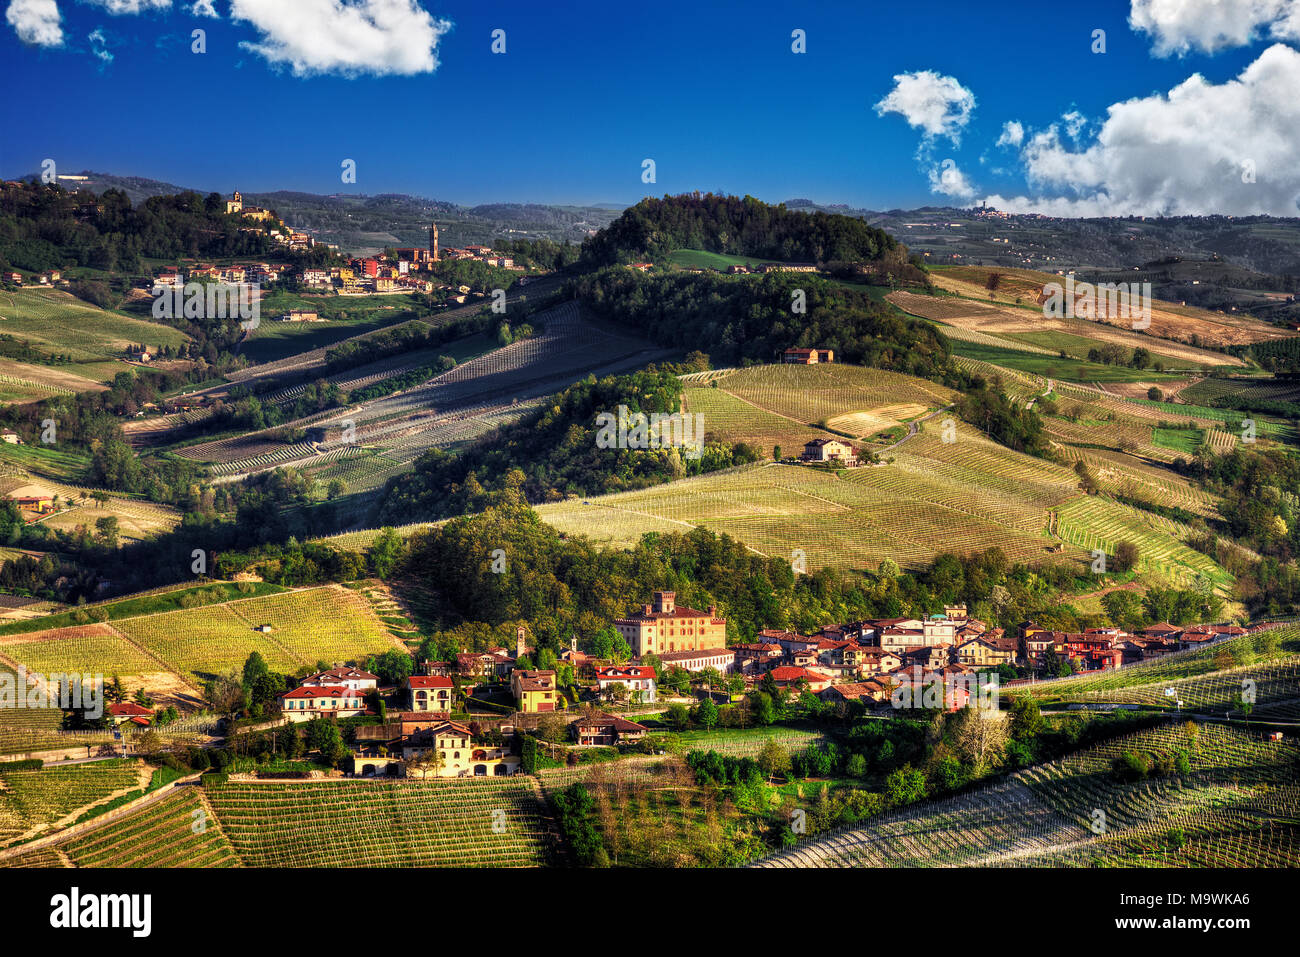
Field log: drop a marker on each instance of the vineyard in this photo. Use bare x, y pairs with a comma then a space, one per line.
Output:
1048, 815
309, 625
160, 835
1092, 522
451, 823
31, 801
60, 323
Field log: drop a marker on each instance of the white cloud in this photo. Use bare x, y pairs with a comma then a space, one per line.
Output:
204, 8
36, 21
1074, 123
1183, 153
1013, 134
948, 180
99, 45
936, 104
121, 7
344, 36
1180, 26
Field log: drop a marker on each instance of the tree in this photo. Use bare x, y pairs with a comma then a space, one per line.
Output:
979, 735
706, 714
677, 716
323, 735
1026, 718
904, 786
392, 667
774, 760
1154, 394
1126, 556
254, 667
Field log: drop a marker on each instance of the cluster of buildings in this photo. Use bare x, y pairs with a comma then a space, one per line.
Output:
867, 661
416, 258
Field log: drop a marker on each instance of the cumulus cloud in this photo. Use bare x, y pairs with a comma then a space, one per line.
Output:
122, 7
1074, 123
935, 104
36, 21
948, 180
204, 8
344, 36
1180, 26
1013, 134
1192, 152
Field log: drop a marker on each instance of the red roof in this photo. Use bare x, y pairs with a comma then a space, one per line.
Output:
326, 692
429, 681
128, 709
614, 672
790, 673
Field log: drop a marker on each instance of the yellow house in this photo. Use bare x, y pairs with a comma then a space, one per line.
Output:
534, 691
455, 754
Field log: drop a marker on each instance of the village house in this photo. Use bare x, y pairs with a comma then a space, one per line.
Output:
11, 437
757, 657
986, 651
534, 691
606, 729
434, 693
32, 498
789, 677
124, 712
721, 659
456, 754
664, 627
304, 704
871, 692
638, 679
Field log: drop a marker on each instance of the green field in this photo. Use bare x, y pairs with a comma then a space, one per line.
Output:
700, 259
31, 801
61, 324
1180, 440
1071, 370
963, 497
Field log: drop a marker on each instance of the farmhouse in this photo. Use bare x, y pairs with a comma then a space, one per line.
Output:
11, 437
663, 627
303, 704
808, 357
829, 450
873, 691
606, 729
128, 711
32, 498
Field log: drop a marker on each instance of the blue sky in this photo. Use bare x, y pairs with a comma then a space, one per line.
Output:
712, 92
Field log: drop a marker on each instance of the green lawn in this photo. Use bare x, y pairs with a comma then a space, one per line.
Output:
1077, 347
700, 259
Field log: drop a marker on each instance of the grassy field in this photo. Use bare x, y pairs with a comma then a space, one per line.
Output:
1180, 440
700, 259
1054, 367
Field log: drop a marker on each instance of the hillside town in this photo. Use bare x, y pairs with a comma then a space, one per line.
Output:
460, 718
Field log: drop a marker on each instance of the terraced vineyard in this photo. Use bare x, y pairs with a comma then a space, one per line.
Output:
32, 800
1045, 815
81, 649
159, 835
449, 823
1094, 522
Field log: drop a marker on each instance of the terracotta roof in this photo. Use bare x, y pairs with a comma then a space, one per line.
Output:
615, 672
603, 720
125, 709
429, 681
323, 692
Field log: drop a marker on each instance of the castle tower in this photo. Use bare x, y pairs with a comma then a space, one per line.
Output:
433, 241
